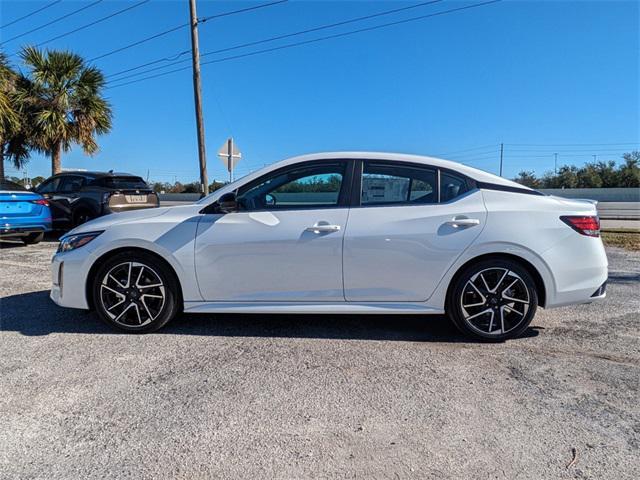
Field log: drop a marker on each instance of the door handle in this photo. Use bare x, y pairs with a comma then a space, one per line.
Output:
321, 227
457, 222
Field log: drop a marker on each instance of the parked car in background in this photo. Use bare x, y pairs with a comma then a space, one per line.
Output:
23, 214
77, 197
346, 232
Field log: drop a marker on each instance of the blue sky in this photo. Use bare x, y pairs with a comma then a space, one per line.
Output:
541, 77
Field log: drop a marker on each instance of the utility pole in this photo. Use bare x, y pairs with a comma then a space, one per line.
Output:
501, 155
197, 94
555, 163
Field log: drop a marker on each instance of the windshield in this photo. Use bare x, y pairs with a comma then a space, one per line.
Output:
6, 185
123, 183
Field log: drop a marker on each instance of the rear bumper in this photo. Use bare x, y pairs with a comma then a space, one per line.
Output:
20, 230
580, 271
127, 207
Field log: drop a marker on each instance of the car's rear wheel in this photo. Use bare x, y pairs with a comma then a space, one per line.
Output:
493, 300
33, 238
135, 292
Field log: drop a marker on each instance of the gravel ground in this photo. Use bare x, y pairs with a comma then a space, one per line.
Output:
315, 396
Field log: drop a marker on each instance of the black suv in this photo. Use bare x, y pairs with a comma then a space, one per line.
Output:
77, 197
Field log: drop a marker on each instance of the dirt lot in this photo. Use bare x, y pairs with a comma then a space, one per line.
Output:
315, 397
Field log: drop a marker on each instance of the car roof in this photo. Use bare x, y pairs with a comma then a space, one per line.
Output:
96, 174
473, 173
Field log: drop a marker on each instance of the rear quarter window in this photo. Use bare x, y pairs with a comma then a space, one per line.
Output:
452, 186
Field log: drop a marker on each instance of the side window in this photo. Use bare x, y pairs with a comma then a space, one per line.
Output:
386, 183
313, 186
451, 186
49, 186
71, 184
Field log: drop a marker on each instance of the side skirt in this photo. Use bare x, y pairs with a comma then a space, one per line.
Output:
379, 308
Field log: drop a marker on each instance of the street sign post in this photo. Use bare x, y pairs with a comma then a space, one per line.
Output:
229, 156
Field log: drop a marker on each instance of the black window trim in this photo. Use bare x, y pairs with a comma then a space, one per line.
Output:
356, 200
343, 197
506, 188
351, 189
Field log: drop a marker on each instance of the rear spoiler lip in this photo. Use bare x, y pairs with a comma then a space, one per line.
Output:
581, 200
586, 200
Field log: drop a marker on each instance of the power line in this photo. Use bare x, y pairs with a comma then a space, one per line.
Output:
567, 144
493, 151
270, 39
56, 20
171, 30
95, 22
139, 42
291, 45
482, 147
30, 14
242, 10
565, 151
550, 154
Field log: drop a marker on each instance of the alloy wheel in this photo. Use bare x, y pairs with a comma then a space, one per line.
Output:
132, 294
494, 301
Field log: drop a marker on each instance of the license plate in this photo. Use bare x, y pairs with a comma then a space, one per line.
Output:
136, 198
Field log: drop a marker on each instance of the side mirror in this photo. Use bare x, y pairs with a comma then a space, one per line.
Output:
227, 203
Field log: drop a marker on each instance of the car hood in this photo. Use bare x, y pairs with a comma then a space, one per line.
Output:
102, 223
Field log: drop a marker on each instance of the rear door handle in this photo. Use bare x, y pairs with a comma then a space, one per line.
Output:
321, 227
463, 222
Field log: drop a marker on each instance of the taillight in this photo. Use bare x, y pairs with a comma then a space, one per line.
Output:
41, 201
589, 226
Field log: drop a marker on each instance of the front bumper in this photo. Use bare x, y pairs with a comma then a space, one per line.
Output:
69, 278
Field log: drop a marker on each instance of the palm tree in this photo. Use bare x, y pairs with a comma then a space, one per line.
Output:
68, 107
13, 131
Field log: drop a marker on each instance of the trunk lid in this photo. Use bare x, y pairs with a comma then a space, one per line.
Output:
578, 206
132, 199
19, 204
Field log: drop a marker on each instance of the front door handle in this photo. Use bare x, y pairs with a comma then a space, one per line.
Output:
457, 222
323, 227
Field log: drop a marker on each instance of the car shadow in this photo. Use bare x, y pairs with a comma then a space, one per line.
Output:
14, 242
34, 314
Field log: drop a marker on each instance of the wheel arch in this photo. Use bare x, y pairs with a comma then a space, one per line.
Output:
533, 271
107, 255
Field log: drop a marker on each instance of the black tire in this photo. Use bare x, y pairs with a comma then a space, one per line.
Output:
145, 314
503, 318
82, 215
33, 238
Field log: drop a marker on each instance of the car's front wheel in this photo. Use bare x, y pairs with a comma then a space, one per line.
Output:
493, 300
135, 292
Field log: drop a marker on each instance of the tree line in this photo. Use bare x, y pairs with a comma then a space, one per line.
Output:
607, 174
55, 103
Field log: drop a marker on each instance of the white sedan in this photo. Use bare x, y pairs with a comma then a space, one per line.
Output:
345, 232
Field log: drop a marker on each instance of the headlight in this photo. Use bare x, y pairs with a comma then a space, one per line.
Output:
76, 241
